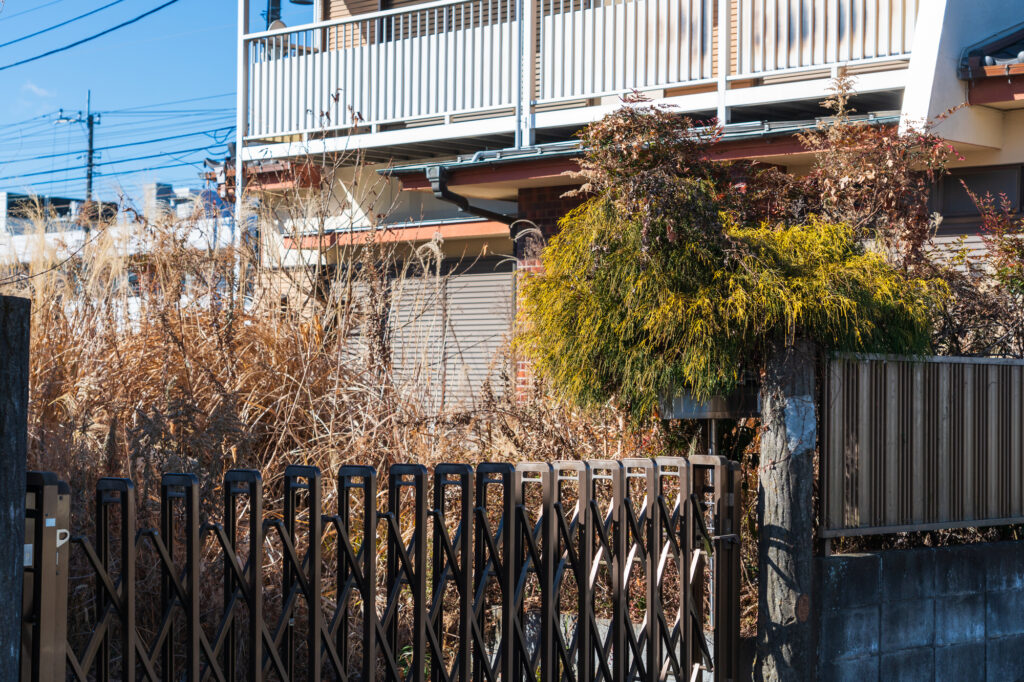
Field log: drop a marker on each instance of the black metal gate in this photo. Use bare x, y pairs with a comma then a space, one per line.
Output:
575, 571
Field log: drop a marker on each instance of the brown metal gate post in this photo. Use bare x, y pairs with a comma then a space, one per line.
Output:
696, 577
722, 479
570, 551
301, 575
495, 555
45, 589
669, 541
729, 630
602, 533
534, 554
407, 568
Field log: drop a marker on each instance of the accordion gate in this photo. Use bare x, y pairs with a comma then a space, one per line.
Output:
601, 570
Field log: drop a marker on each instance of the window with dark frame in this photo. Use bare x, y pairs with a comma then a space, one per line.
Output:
952, 201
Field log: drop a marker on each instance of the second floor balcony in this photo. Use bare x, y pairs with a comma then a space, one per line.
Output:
455, 75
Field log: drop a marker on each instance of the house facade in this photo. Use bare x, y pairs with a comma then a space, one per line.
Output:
464, 115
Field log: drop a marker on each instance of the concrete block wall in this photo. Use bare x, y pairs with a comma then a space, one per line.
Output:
951, 613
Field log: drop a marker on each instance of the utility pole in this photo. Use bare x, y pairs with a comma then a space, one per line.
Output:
273, 11
90, 122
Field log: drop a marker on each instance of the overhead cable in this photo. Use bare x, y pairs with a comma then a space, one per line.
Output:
29, 10
177, 101
125, 144
39, 183
63, 23
40, 117
116, 161
92, 37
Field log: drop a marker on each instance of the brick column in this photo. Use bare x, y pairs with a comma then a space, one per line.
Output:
544, 207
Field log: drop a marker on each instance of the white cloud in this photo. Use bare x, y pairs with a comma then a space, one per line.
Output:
34, 89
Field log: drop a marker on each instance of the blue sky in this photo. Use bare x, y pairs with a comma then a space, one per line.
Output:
172, 74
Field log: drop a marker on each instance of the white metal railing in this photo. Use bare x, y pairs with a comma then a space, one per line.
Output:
431, 62
784, 35
595, 48
434, 60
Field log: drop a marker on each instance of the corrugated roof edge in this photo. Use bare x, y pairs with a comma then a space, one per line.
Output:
731, 131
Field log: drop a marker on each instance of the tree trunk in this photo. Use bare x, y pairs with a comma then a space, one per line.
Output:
786, 516
14, 339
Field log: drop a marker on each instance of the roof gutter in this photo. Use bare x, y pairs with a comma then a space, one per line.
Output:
437, 176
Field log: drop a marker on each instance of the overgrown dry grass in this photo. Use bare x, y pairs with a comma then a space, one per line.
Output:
151, 355
160, 356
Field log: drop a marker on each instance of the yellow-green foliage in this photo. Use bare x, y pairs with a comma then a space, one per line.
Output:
615, 317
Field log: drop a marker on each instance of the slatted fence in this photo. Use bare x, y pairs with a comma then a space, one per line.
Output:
913, 444
582, 571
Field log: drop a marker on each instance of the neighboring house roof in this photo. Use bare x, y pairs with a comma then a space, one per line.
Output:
25, 213
1001, 54
994, 69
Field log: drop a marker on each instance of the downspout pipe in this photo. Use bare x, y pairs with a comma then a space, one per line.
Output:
437, 176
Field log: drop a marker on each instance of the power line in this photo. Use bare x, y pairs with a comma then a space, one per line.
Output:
40, 117
133, 121
149, 41
34, 126
126, 131
117, 161
171, 112
140, 132
38, 126
126, 120
125, 144
107, 175
63, 23
218, 130
173, 101
92, 37
172, 154
30, 10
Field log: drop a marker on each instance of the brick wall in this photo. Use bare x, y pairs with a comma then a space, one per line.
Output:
543, 206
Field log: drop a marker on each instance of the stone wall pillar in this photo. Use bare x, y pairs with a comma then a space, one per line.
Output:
14, 343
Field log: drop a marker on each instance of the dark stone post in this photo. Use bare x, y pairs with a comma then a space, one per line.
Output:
14, 341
